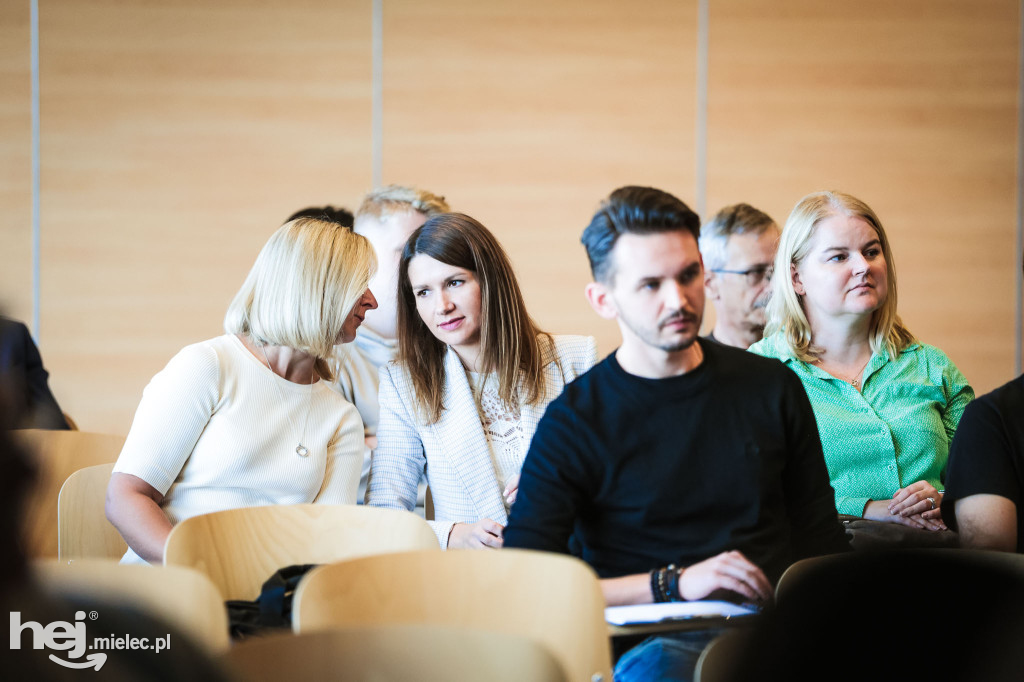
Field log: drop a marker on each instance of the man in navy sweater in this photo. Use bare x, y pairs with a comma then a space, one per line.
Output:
684, 468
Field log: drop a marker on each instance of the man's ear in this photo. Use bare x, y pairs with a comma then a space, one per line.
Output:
711, 282
601, 301
798, 286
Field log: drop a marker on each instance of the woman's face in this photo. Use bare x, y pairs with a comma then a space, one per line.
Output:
355, 317
844, 272
448, 302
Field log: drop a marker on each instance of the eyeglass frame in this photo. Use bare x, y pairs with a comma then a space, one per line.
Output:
763, 272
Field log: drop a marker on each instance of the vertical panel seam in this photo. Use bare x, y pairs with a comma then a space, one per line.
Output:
378, 91
34, 50
701, 149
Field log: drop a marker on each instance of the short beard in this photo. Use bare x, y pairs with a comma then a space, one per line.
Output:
682, 345
651, 340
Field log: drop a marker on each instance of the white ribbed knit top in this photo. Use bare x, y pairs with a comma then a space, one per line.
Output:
212, 432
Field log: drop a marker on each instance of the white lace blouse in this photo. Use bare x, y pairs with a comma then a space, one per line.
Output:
502, 425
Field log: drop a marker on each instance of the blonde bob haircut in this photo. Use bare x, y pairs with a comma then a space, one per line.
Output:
305, 282
785, 309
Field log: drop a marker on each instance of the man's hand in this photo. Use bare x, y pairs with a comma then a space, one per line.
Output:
729, 571
480, 535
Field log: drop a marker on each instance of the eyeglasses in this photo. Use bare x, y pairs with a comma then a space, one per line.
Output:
754, 275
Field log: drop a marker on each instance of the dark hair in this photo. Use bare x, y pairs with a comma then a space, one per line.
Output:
342, 216
633, 210
510, 342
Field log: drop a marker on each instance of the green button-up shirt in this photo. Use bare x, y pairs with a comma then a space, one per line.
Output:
893, 432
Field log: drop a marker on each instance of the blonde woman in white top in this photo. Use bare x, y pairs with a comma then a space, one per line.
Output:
247, 419
472, 379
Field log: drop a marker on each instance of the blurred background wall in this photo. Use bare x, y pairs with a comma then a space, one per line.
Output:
174, 137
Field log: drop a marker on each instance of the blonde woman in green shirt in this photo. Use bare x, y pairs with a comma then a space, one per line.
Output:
886, 405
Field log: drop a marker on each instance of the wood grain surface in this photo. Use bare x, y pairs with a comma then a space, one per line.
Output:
177, 136
911, 107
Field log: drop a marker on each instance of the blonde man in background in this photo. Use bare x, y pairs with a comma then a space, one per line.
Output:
386, 217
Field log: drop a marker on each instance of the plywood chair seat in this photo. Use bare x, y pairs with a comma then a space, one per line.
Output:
57, 455
395, 653
83, 530
240, 548
181, 596
553, 599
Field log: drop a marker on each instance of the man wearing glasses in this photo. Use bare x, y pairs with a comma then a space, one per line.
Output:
738, 247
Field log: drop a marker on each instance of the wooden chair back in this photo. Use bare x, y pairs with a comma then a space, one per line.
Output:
797, 570
240, 548
718, 660
83, 531
57, 455
983, 559
394, 653
553, 599
828, 608
183, 597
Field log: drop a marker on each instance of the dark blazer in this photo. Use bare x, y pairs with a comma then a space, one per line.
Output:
24, 379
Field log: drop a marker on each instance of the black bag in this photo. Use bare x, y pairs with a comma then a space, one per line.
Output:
272, 610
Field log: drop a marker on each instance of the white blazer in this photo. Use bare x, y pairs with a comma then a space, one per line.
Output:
453, 452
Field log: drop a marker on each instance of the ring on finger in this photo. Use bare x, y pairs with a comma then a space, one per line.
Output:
931, 500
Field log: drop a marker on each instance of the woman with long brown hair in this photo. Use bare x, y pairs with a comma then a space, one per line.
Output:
472, 379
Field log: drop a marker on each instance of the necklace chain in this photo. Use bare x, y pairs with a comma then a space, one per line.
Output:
300, 449
855, 381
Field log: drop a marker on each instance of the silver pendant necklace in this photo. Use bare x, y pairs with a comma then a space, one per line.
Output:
300, 449
855, 381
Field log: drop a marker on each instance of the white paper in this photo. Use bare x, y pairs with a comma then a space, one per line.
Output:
679, 610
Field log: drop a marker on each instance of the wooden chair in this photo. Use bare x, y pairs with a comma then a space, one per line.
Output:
57, 455
835, 614
718, 660
240, 548
394, 653
82, 527
796, 571
983, 559
553, 599
183, 597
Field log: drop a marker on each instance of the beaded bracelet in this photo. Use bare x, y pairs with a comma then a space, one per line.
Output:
673, 583
663, 595
665, 584
655, 592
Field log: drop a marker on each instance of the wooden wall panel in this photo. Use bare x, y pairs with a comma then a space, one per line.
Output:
15, 162
176, 138
525, 114
910, 106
